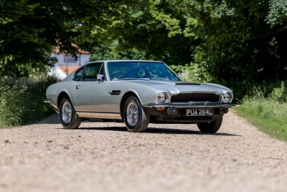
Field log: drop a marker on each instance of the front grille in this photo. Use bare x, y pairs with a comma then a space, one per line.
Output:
196, 97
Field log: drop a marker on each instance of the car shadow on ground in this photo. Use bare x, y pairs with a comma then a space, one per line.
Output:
55, 119
158, 131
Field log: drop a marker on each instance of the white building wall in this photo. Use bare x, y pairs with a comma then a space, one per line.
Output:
83, 58
57, 72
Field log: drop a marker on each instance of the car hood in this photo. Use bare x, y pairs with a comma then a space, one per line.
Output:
176, 87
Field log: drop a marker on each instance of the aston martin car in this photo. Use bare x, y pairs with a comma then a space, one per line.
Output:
137, 93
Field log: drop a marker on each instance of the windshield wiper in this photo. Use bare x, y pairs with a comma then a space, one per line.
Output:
147, 79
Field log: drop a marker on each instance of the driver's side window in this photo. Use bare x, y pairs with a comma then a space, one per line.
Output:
92, 71
78, 75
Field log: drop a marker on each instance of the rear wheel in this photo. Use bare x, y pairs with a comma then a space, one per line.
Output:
135, 118
210, 127
68, 116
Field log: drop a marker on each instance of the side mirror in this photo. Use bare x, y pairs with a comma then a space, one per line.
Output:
100, 77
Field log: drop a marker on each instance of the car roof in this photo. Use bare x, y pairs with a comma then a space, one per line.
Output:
113, 61
120, 61
70, 76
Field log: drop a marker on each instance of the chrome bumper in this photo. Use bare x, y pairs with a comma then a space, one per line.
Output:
189, 105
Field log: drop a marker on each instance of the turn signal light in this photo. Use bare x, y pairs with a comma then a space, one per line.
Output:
160, 108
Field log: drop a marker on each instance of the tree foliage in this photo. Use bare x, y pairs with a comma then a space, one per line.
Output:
111, 52
234, 42
154, 29
241, 40
31, 30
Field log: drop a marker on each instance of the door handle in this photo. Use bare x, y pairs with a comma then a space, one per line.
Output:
77, 86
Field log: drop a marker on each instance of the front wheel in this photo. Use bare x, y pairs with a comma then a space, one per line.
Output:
210, 127
134, 116
68, 116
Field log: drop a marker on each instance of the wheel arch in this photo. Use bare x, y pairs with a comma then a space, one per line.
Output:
62, 95
125, 97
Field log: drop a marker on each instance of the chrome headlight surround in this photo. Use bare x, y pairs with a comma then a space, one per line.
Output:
163, 97
227, 97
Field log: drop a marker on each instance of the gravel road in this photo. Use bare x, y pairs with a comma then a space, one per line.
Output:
105, 157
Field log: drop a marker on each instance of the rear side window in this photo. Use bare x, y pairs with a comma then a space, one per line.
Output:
78, 75
92, 71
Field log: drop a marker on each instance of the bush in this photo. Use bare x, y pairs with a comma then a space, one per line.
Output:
267, 114
196, 72
279, 94
21, 100
192, 72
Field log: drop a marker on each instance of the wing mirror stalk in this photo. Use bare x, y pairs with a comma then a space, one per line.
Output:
100, 77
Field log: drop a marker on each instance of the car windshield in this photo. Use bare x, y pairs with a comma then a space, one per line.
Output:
140, 70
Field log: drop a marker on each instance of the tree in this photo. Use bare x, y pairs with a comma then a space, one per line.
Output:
155, 30
234, 42
31, 30
241, 41
110, 52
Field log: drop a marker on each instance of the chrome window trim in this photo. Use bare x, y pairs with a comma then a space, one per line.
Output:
107, 71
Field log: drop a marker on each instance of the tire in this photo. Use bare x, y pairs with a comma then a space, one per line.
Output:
135, 118
210, 127
69, 118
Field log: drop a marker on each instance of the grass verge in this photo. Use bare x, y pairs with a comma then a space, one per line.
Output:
268, 115
22, 100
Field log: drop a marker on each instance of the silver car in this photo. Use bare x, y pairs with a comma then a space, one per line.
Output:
138, 93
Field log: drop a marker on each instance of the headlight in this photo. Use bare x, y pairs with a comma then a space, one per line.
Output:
227, 97
163, 97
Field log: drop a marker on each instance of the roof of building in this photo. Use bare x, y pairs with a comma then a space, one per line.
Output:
74, 45
71, 69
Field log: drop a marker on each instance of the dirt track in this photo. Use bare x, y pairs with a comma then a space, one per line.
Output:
105, 157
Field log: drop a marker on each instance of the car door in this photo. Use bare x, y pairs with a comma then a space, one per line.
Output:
89, 92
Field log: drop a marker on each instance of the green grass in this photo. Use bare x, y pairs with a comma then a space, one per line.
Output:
268, 115
22, 100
